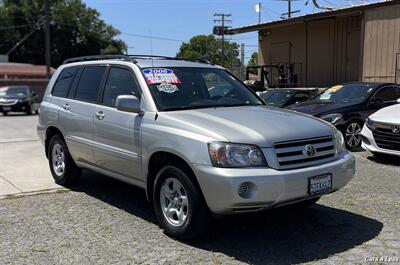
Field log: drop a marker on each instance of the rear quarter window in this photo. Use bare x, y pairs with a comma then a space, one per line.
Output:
64, 81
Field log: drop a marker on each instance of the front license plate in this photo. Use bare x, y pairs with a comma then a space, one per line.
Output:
6, 108
319, 184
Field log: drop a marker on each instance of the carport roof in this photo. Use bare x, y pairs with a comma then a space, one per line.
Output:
315, 16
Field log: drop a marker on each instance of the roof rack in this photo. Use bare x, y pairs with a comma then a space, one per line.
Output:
100, 57
147, 56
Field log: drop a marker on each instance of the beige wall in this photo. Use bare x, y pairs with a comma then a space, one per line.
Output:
328, 50
381, 44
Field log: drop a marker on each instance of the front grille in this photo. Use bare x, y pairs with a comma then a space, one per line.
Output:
385, 138
8, 102
291, 154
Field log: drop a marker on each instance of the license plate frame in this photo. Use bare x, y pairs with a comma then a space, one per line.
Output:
320, 184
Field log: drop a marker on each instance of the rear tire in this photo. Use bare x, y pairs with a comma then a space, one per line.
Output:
179, 205
62, 167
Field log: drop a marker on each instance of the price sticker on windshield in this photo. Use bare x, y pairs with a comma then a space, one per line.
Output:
160, 75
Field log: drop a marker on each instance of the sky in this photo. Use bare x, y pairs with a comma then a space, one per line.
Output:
160, 26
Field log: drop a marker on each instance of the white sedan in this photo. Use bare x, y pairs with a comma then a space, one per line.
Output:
381, 132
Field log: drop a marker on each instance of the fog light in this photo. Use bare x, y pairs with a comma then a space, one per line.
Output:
365, 140
247, 190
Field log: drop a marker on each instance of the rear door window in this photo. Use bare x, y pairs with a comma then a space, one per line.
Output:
120, 81
89, 83
64, 81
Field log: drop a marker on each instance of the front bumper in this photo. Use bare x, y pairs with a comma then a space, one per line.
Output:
17, 107
273, 188
369, 143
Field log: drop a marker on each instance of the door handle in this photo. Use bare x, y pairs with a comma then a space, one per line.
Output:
100, 115
65, 106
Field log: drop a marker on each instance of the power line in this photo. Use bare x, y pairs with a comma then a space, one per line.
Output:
150, 37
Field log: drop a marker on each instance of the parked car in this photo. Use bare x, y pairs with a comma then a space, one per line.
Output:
151, 122
347, 106
381, 132
283, 97
18, 99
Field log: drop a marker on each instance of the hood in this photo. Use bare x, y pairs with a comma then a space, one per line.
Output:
389, 114
318, 107
259, 125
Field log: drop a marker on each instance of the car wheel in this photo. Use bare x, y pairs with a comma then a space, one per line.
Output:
352, 134
5, 113
179, 204
62, 167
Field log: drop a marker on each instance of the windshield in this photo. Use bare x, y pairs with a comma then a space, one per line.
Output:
346, 93
191, 88
276, 98
13, 91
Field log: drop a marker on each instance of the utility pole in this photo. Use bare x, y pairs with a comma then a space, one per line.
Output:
242, 61
221, 30
290, 12
47, 36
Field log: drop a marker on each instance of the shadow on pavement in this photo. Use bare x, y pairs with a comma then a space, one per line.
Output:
281, 236
385, 159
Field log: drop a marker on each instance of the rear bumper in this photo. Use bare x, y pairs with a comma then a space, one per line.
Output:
369, 143
273, 188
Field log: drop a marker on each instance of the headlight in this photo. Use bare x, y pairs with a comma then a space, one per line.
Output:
370, 124
341, 145
332, 118
235, 155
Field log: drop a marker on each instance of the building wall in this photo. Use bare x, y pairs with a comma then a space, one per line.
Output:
381, 44
328, 51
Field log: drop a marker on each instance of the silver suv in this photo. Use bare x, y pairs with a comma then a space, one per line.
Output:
191, 134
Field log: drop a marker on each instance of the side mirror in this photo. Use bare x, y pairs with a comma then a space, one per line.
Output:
128, 103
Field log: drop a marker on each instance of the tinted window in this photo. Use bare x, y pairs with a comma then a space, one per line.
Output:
64, 82
89, 83
119, 82
388, 94
347, 93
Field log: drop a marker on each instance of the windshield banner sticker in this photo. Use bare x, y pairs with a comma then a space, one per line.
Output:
160, 75
167, 88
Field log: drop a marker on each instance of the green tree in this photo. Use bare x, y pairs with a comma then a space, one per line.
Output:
253, 62
209, 48
76, 30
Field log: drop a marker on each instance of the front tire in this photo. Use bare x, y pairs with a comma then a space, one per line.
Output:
62, 167
5, 113
352, 135
179, 205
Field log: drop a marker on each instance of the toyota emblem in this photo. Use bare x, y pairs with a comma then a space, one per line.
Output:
309, 150
396, 128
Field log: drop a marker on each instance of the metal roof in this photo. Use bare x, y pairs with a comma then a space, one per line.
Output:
314, 16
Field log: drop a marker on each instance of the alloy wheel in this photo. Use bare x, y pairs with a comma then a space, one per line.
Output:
58, 159
174, 201
353, 137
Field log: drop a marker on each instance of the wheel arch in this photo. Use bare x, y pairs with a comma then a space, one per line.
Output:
50, 131
161, 158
